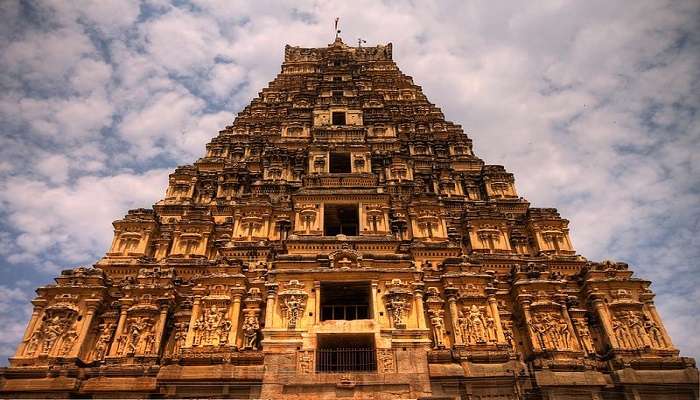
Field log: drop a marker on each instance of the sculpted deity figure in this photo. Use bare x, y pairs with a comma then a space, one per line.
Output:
138, 333
179, 336
475, 329
293, 306
508, 333
585, 335
251, 326
68, 341
102, 345
654, 333
622, 333
211, 329
636, 329
438, 327
397, 306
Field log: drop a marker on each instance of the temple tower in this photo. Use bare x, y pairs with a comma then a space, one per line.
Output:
341, 239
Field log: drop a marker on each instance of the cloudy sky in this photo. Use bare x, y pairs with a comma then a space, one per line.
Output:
592, 104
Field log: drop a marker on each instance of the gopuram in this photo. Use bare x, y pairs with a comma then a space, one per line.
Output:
341, 240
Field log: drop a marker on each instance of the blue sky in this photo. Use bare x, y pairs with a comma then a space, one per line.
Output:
593, 105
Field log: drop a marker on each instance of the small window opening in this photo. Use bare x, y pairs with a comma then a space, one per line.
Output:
338, 118
347, 301
337, 79
346, 353
340, 163
340, 220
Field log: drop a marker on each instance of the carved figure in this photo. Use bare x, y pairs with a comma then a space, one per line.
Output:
102, 345
438, 327
211, 329
654, 334
585, 335
473, 325
251, 325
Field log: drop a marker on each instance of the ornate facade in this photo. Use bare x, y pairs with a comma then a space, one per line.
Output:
341, 239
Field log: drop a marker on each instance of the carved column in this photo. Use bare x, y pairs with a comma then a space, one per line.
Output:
534, 343
193, 320
118, 332
84, 327
38, 309
234, 316
420, 312
317, 301
574, 342
270, 304
454, 317
604, 319
160, 326
375, 301
493, 306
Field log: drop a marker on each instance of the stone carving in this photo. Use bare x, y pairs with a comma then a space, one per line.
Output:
57, 327
305, 361
139, 337
293, 302
508, 334
212, 327
550, 331
251, 326
655, 335
385, 361
438, 326
398, 302
179, 336
477, 328
629, 330
584, 335
106, 332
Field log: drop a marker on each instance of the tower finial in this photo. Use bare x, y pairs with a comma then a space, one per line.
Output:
337, 31
360, 41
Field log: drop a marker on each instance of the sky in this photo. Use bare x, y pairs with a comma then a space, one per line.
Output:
593, 105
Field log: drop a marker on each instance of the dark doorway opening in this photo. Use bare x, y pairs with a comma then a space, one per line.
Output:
338, 118
340, 163
340, 220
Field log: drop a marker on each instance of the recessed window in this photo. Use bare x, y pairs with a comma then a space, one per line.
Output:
338, 118
340, 220
346, 353
337, 79
344, 301
339, 163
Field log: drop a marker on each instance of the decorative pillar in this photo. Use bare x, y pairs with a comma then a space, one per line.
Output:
317, 301
418, 299
160, 327
493, 306
534, 343
270, 304
420, 312
454, 317
604, 318
118, 331
193, 319
38, 308
234, 316
375, 301
84, 327
575, 344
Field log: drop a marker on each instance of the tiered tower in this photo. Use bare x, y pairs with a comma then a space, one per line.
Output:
341, 239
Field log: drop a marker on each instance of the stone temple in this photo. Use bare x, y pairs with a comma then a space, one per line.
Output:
341, 240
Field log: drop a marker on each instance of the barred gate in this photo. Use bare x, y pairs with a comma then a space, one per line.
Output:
353, 359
